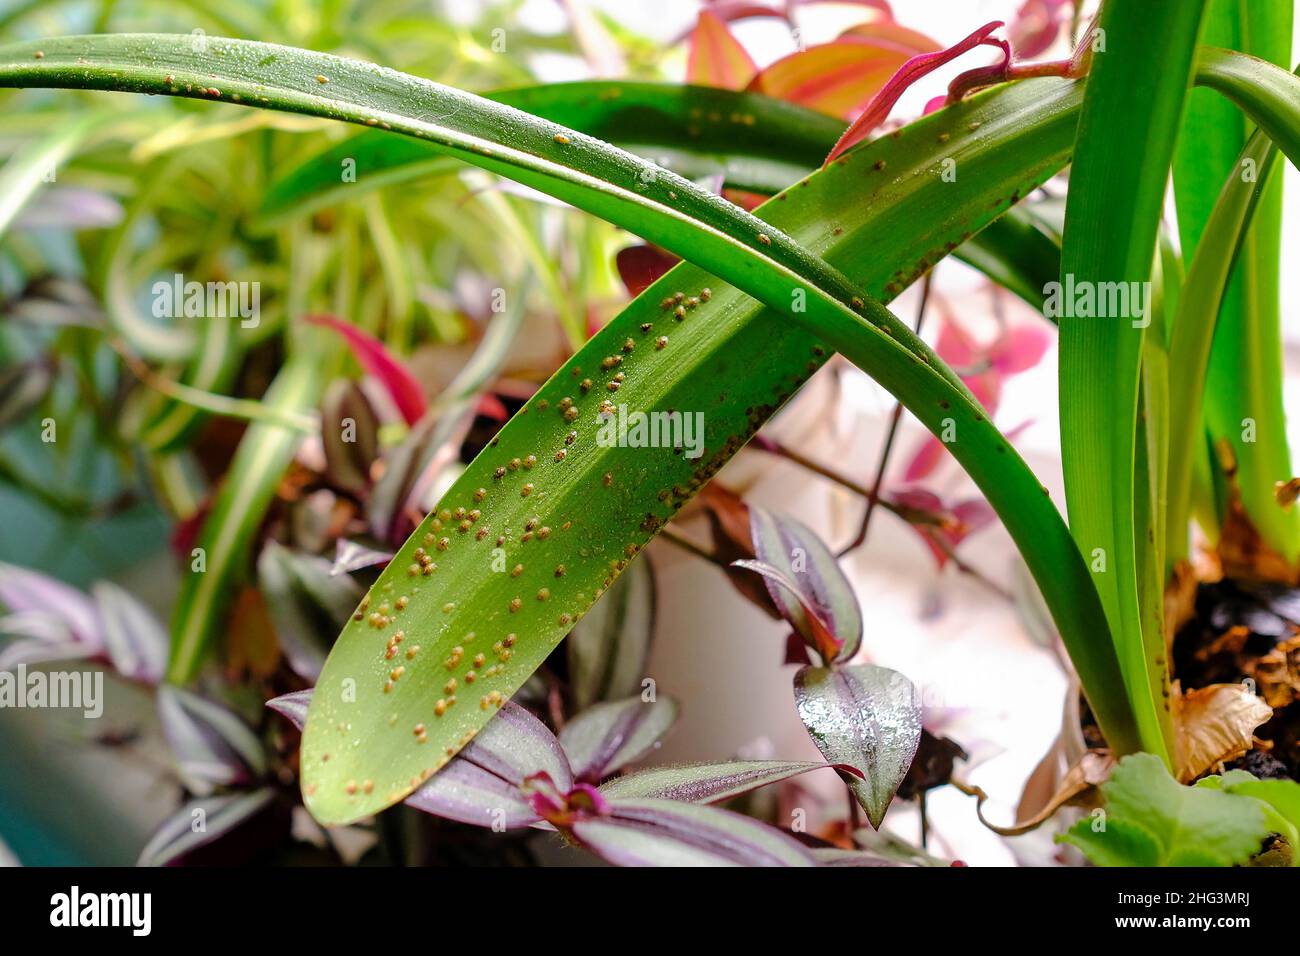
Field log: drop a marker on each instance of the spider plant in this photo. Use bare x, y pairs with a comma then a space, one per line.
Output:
540, 525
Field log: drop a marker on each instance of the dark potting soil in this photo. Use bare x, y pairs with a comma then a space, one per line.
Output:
1242, 632
1249, 632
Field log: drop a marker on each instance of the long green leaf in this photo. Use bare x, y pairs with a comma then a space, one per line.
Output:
238, 509
1268, 94
1212, 135
1131, 112
755, 142
1244, 371
599, 499
1201, 304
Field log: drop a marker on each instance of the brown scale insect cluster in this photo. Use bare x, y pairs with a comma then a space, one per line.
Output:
468, 668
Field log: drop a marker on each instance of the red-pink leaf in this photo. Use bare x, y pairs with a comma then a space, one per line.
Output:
955, 346
716, 57
1036, 25
840, 77
925, 460
877, 110
982, 368
375, 358
489, 406
732, 10
642, 265
1020, 348
954, 523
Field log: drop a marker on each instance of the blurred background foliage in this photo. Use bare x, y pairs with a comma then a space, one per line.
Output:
144, 190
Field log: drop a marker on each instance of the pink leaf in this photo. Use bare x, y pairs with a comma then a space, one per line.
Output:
489, 406
955, 523
878, 109
716, 57
986, 386
841, 77
640, 266
925, 460
375, 358
1020, 348
955, 345
1035, 26
745, 200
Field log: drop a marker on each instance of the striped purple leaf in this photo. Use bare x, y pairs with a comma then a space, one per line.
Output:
705, 782
212, 747
608, 737
52, 621
49, 619
515, 770
349, 430
308, 605
481, 786
352, 556
866, 718
667, 833
293, 706
608, 647
515, 745
70, 207
834, 856
806, 584
39, 649
411, 469
134, 638
467, 793
199, 823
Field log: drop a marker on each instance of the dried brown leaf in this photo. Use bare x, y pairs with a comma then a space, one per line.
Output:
1277, 673
1215, 724
1077, 787
1245, 555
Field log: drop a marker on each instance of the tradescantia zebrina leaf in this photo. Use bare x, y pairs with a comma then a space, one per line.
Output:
614, 734
541, 523
609, 647
866, 718
806, 584
706, 782
221, 813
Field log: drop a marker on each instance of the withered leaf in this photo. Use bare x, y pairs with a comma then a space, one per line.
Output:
1214, 724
